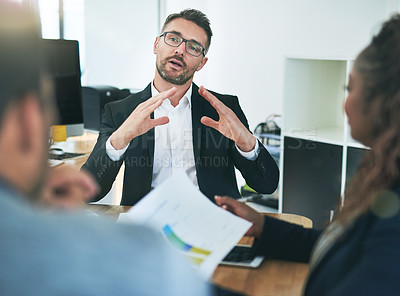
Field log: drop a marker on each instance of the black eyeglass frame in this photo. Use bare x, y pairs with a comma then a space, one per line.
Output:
203, 50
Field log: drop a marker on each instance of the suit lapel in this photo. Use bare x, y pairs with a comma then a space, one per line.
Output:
197, 126
148, 137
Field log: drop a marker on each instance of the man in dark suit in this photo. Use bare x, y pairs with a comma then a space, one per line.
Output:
207, 133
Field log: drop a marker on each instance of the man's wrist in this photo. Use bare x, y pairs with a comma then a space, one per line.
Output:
251, 155
112, 153
249, 145
118, 141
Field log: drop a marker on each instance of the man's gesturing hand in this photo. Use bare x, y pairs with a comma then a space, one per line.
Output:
228, 124
139, 121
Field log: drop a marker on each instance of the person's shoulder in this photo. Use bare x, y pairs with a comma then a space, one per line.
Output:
385, 212
79, 249
127, 259
131, 100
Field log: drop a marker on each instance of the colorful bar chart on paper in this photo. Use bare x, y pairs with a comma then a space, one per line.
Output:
189, 222
190, 250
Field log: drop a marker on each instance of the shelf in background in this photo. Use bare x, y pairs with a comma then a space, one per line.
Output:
332, 135
319, 152
355, 144
314, 94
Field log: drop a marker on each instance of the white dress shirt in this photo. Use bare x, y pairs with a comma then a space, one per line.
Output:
173, 148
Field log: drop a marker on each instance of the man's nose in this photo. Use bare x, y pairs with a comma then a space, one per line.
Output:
180, 50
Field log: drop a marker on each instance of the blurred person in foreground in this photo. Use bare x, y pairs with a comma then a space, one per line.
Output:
62, 254
359, 252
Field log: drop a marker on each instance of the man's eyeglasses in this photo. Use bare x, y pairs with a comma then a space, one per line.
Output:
192, 47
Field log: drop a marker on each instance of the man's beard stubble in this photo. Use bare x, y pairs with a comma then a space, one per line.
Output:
176, 80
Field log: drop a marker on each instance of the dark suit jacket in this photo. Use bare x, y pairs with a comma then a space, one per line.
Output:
365, 260
215, 155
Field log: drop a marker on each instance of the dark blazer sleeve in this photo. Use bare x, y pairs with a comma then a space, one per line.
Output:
283, 240
99, 164
261, 174
376, 266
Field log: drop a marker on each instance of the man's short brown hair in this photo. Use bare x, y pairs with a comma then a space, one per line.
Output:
195, 16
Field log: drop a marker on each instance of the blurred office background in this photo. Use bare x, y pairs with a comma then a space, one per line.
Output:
248, 50
251, 40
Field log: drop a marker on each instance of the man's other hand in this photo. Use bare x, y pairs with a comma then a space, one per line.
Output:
228, 124
67, 188
240, 209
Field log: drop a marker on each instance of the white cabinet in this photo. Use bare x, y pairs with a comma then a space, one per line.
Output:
318, 153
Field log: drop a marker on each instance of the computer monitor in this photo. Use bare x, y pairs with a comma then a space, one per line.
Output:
64, 67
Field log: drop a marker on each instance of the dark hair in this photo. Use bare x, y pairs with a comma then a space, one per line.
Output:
195, 16
20, 53
379, 67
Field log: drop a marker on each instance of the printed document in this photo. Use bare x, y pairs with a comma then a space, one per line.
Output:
189, 222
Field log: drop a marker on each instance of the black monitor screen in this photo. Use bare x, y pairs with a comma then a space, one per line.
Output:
63, 63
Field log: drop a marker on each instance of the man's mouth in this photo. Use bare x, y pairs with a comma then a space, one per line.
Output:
176, 64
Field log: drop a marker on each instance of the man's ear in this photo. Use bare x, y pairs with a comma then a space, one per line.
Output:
32, 122
156, 45
203, 62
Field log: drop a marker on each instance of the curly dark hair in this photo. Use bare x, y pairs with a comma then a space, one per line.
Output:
379, 67
195, 16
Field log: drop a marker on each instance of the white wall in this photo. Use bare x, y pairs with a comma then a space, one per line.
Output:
251, 39
119, 42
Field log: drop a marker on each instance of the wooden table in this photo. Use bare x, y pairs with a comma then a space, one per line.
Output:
80, 144
273, 277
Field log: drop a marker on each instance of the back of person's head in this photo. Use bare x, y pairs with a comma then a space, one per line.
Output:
194, 16
379, 68
25, 100
20, 58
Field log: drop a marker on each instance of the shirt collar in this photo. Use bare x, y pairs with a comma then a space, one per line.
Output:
187, 95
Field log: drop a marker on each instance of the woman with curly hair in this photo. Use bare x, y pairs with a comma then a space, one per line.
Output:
359, 252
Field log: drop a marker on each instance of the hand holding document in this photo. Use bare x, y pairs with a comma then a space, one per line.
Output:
190, 222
